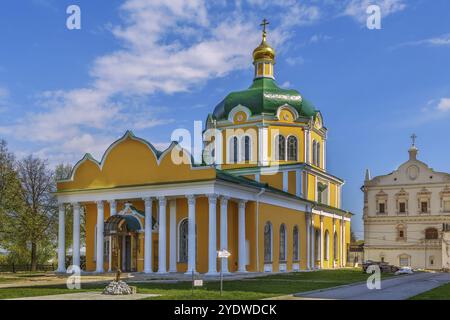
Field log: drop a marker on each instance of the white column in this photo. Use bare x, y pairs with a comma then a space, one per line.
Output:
334, 244
321, 251
212, 244
263, 138
224, 231
173, 236
148, 235
285, 181
308, 241
191, 235
313, 244
76, 235
100, 225
162, 235
112, 207
344, 251
61, 238
341, 243
241, 239
110, 254
324, 154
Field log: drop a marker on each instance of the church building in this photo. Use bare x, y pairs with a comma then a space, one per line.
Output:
407, 216
262, 192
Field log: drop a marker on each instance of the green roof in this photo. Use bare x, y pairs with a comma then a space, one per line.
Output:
264, 96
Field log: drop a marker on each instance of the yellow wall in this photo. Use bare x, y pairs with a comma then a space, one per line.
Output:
290, 218
140, 164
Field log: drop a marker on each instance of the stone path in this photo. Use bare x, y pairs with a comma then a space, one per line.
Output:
397, 288
90, 296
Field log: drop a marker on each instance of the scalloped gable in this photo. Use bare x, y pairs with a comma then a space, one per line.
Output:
133, 161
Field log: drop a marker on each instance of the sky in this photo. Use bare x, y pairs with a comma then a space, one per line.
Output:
152, 66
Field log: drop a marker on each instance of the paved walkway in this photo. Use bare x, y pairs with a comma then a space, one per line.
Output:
398, 288
90, 296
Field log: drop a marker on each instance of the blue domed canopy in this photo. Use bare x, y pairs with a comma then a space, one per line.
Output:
122, 223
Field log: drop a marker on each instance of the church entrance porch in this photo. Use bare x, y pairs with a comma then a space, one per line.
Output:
122, 239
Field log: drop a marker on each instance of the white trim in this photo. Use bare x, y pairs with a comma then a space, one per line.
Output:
289, 108
130, 135
239, 108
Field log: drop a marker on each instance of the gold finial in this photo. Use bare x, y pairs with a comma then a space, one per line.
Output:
264, 24
264, 51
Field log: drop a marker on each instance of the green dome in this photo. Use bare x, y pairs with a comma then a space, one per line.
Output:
264, 96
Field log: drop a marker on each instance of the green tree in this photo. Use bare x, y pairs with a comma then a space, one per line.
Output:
10, 192
35, 224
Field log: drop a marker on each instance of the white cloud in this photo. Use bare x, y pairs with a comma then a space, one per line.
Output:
166, 47
439, 41
357, 8
444, 105
293, 61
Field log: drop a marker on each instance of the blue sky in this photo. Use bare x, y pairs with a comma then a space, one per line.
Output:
153, 66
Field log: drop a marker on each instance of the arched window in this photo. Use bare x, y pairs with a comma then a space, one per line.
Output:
247, 148
314, 152
318, 154
296, 252
282, 256
268, 242
335, 246
183, 241
280, 143
292, 148
327, 245
234, 150
317, 245
431, 233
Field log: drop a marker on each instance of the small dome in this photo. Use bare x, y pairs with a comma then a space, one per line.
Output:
264, 51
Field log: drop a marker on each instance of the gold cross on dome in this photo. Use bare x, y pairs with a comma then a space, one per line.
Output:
413, 138
264, 24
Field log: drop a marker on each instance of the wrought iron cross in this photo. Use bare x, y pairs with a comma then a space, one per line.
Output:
413, 137
264, 24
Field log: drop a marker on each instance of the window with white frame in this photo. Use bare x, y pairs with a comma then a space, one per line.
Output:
314, 152
247, 148
268, 242
282, 255
335, 246
296, 240
423, 200
234, 150
318, 160
402, 201
292, 148
381, 202
327, 245
183, 241
280, 148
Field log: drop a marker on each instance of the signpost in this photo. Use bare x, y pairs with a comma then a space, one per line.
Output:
222, 254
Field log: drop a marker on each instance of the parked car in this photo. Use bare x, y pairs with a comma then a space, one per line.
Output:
404, 270
384, 267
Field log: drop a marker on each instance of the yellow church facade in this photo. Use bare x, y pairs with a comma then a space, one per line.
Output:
261, 191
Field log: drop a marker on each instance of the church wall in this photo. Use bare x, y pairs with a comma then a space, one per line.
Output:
287, 131
292, 182
311, 187
274, 180
278, 215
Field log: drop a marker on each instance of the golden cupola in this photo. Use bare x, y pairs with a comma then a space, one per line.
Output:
264, 56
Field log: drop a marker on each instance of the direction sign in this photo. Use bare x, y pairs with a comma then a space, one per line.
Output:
223, 254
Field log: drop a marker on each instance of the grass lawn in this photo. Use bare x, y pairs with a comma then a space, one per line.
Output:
439, 293
254, 288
